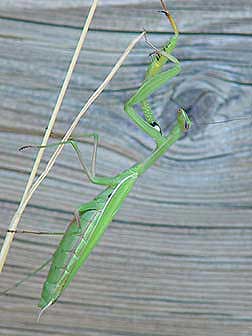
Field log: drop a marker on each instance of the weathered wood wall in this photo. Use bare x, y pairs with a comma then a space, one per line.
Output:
177, 260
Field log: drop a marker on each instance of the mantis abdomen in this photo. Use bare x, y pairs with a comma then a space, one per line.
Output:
81, 236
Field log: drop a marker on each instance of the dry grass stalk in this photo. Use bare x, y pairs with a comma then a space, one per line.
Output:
16, 218
51, 162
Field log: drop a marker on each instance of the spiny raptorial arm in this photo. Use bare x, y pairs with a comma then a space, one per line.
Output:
153, 81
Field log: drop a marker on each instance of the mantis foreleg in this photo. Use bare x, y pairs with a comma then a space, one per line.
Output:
154, 80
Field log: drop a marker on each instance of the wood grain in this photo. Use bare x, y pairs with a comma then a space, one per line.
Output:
177, 258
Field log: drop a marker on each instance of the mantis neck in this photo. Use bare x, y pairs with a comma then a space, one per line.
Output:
168, 141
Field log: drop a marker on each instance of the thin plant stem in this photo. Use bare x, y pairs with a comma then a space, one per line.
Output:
53, 158
16, 218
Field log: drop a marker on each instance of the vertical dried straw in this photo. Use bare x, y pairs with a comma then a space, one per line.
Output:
51, 162
16, 218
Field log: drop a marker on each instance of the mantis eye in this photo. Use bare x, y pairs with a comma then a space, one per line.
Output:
157, 127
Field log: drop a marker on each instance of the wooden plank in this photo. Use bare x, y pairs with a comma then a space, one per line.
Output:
196, 16
177, 258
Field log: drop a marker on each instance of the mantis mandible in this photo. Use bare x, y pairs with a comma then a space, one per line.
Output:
92, 218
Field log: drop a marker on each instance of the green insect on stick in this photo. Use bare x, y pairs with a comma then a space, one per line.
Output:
91, 219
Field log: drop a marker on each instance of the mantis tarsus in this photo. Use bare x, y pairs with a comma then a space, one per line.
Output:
91, 219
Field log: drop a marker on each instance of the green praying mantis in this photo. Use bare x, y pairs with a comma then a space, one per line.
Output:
91, 219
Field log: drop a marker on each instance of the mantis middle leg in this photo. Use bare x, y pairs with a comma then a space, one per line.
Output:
89, 172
